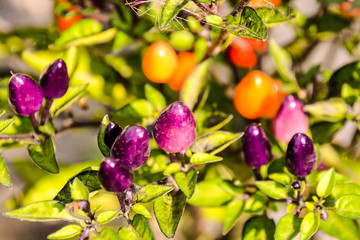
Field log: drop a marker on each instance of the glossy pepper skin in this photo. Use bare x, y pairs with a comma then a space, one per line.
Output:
112, 130
300, 155
290, 119
132, 147
256, 147
54, 80
114, 176
175, 128
25, 95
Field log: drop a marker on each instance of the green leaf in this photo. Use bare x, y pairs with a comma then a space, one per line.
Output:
331, 110
326, 184
66, 232
309, 225
100, 137
274, 16
72, 95
139, 230
155, 97
214, 20
339, 227
88, 177
168, 210
195, 85
48, 128
281, 178
170, 10
108, 234
42, 211
151, 192
139, 108
4, 173
283, 61
233, 212
255, 203
259, 228
141, 209
272, 189
249, 25
288, 227
214, 193
346, 74
202, 158
4, 124
107, 216
348, 206
78, 190
44, 155
82, 28
98, 38
187, 181
71, 59
172, 168
214, 142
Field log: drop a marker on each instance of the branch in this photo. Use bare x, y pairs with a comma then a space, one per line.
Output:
239, 8
17, 137
203, 8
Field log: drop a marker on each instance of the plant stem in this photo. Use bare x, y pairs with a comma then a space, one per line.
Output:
239, 8
34, 123
121, 198
203, 8
46, 111
173, 157
257, 174
17, 137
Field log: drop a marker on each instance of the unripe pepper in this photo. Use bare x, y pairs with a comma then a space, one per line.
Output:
256, 147
132, 147
114, 176
175, 128
25, 95
300, 155
54, 80
112, 130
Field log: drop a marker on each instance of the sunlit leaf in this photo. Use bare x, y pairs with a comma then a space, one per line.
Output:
72, 95
42, 211
44, 155
348, 206
288, 227
88, 177
168, 211
170, 10
309, 225
214, 142
100, 137
260, 228
187, 181
202, 158
151, 192
233, 212
4, 173
66, 232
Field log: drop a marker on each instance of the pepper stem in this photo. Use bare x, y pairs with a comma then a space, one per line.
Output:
257, 174
46, 111
34, 123
173, 157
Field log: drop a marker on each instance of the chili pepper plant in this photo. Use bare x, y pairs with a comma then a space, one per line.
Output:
207, 126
